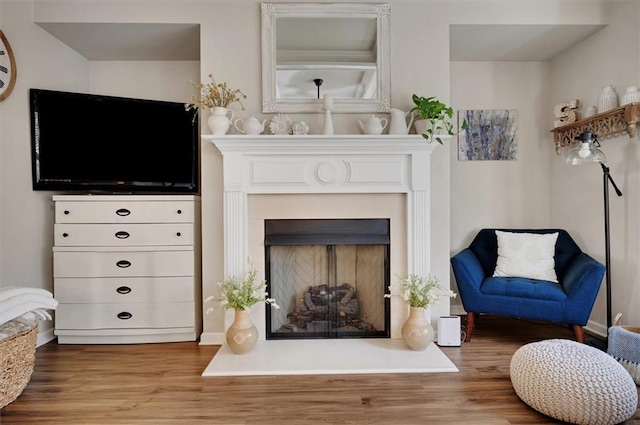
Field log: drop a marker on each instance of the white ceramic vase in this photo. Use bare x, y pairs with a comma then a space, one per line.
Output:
608, 99
218, 121
417, 331
632, 95
242, 335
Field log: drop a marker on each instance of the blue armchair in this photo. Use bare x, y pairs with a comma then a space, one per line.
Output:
568, 301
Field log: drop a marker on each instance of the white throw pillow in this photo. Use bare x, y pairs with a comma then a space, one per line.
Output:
528, 255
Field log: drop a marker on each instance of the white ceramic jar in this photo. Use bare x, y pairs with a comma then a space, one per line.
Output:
632, 95
608, 99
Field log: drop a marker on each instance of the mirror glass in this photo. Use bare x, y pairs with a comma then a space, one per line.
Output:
309, 50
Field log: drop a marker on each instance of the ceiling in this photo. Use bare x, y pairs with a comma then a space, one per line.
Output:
167, 42
129, 41
514, 42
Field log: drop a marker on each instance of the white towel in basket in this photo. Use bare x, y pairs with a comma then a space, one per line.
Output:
26, 300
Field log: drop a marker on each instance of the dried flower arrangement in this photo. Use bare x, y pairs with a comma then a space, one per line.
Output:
214, 94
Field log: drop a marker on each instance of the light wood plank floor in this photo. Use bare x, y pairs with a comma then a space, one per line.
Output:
161, 384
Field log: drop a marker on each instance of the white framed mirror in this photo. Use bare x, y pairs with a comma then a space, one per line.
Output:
313, 49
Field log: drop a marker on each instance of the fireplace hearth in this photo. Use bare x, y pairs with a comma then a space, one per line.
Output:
329, 277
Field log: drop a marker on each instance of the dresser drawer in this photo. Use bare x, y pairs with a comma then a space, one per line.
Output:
123, 263
77, 290
124, 212
125, 315
123, 234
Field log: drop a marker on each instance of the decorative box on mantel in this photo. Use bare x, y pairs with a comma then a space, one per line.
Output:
322, 164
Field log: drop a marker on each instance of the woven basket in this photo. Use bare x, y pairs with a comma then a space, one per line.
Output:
617, 321
17, 358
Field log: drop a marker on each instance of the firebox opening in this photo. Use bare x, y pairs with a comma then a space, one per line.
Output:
329, 277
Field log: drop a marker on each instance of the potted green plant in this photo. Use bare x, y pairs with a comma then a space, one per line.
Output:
433, 118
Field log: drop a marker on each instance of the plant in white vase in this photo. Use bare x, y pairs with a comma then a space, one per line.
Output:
433, 118
216, 97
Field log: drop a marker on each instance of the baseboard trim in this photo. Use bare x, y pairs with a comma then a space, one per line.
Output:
593, 327
212, 338
45, 336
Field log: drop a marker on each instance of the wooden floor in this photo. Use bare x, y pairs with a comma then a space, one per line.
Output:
161, 384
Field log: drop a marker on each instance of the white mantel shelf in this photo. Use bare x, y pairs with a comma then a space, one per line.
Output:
343, 142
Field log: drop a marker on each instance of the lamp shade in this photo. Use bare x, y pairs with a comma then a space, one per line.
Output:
587, 151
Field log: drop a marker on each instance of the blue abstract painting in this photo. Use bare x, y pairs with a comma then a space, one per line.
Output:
490, 135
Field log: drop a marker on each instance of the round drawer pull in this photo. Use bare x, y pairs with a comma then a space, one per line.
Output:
65, 235
178, 234
125, 315
67, 212
179, 211
123, 264
123, 212
123, 290
122, 234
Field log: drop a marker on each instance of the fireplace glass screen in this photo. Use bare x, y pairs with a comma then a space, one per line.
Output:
329, 278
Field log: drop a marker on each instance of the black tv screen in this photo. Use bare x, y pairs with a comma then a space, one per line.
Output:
95, 143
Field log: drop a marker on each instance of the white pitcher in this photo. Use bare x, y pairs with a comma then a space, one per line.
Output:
218, 121
399, 124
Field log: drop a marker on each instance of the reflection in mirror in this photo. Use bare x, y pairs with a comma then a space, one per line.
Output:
310, 50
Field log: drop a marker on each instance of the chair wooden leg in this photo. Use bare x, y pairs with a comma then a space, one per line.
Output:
471, 319
579, 332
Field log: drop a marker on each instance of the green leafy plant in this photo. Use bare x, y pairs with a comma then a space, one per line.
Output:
438, 117
419, 292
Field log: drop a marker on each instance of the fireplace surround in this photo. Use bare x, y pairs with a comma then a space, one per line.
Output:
351, 174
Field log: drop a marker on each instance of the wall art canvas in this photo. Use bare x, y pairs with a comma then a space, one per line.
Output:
490, 135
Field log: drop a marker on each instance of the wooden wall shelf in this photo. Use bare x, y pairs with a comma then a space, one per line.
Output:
610, 123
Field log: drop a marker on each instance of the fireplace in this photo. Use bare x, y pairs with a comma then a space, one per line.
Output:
327, 177
329, 277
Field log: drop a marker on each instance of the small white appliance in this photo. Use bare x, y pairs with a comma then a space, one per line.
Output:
449, 334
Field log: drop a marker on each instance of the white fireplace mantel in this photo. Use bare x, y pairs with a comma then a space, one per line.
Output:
319, 164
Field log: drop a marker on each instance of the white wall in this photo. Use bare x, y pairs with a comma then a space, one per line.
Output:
502, 193
230, 48
610, 56
27, 216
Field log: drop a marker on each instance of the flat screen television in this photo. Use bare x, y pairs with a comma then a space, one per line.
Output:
95, 143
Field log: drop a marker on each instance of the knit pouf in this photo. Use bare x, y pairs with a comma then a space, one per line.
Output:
573, 382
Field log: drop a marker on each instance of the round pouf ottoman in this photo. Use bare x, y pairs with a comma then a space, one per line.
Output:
573, 382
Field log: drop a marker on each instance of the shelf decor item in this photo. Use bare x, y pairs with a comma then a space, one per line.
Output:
216, 97
433, 118
419, 293
240, 295
608, 99
281, 124
632, 95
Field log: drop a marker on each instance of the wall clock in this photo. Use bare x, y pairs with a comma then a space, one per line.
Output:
8, 71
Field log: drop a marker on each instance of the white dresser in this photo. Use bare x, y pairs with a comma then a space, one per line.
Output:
127, 268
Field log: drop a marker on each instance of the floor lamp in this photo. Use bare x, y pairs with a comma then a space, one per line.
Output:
588, 153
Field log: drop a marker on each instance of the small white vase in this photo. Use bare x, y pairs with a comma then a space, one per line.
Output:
417, 331
632, 95
218, 121
608, 99
242, 335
